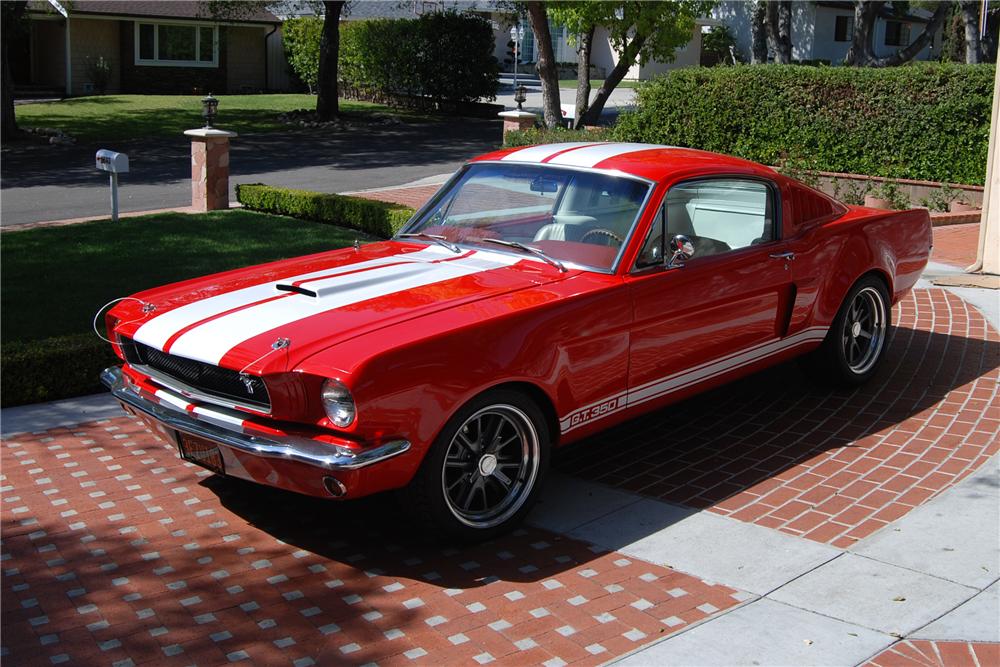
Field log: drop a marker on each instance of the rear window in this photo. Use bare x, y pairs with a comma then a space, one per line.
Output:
810, 207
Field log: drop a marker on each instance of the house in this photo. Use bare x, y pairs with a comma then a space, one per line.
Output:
151, 47
822, 31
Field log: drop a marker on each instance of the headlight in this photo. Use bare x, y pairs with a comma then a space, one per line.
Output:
338, 403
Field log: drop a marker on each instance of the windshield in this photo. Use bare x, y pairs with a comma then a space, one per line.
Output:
578, 217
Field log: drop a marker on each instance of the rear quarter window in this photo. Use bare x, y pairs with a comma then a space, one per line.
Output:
810, 207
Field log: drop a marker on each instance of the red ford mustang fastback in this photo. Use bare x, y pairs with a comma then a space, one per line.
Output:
542, 294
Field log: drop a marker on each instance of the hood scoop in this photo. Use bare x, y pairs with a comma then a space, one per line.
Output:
283, 287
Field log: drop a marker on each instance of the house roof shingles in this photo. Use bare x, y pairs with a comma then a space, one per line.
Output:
176, 9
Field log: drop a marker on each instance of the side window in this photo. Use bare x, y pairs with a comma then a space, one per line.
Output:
720, 215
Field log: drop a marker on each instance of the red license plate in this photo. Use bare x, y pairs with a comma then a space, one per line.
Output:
201, 451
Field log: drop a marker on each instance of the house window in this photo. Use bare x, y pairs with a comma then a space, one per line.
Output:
176, 45
897, 33
843, 31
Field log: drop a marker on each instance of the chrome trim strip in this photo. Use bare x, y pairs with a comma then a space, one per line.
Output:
289, 448
188, 391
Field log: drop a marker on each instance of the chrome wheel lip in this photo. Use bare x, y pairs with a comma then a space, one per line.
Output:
864, 327
522, 483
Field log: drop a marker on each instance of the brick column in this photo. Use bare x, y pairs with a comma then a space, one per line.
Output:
209, 168
517, 120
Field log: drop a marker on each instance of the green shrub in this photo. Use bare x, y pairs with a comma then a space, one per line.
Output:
889, 191
53, 368
545, 136
374, 217
443, 55
302, 37
924, 121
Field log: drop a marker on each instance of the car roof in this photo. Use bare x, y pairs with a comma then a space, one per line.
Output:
650, 161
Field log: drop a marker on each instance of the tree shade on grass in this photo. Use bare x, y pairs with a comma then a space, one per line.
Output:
138, 116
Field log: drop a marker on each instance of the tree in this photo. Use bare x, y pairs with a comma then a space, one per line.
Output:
11, 14
758, 33
547, 71
862, 51
638, 32
779, 30
970, 18
327, 104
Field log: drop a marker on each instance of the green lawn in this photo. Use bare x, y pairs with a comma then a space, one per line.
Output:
596, 83
129, 116
54, 279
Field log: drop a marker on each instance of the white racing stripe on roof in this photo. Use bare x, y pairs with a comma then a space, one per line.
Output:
158, 330
539, 153
592, 155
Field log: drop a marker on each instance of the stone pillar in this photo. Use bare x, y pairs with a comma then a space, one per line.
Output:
517, 120
209, 168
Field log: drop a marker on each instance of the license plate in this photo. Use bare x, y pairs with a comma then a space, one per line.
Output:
201, 451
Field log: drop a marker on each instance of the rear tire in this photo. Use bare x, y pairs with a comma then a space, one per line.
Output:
485, 469
855, 345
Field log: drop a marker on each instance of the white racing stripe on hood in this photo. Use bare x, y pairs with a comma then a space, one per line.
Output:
592, 155
157, 331
211, 341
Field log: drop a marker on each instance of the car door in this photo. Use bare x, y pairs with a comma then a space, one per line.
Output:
720, 309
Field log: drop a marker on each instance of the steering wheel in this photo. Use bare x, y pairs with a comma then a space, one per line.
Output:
601, 231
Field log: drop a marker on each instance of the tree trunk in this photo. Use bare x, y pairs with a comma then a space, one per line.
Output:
865, 13
758, 32
547, 71
583, 75
327, 104
12, 13
916, 46
629, 54
779, 28
970, 17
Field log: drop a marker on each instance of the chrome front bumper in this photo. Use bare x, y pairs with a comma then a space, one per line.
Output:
321, 455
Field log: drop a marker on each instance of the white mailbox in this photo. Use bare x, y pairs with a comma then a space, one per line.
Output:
116, 163
113, 163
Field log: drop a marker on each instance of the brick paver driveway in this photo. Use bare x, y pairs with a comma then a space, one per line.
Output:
117, 552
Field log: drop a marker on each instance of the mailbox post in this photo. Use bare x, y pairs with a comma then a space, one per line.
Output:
113, 163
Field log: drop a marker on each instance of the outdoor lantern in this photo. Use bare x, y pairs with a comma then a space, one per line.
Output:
520, 95
210, 107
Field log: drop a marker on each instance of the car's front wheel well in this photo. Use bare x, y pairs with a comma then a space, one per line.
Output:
541, 399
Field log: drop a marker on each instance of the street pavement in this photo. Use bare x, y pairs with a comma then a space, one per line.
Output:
768, 522
42, 183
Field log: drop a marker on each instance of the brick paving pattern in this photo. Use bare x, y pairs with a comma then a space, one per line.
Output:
956, 244
921, 653
115, 550
414, 196
778, 450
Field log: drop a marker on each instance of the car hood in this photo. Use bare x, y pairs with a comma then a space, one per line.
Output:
266, 319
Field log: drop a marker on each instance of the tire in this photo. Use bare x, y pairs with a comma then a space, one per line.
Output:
466, 494
855, 345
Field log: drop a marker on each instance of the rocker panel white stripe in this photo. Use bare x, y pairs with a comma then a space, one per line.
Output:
683, 379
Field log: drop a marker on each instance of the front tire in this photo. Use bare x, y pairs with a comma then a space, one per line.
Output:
484, 471
855, 345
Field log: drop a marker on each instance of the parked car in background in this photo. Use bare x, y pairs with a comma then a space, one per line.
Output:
544, 293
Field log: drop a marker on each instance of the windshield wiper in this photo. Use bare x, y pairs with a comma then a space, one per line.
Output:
534, 251
436, 238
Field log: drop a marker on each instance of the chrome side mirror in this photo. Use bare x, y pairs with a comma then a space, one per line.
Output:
681, 249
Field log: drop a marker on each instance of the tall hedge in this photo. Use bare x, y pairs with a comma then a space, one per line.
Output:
926, 121
442, 55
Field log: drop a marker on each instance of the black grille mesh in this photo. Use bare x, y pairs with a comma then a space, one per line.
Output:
206, 378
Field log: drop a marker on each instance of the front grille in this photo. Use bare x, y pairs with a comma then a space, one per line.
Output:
200, 377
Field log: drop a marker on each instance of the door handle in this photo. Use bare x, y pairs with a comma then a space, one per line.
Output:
787, 256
